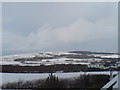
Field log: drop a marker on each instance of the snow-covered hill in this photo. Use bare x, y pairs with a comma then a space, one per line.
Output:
52, 58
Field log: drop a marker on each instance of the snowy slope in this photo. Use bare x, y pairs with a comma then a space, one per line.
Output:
51, 58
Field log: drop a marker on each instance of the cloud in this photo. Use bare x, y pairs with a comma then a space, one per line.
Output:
79, 31
1, 29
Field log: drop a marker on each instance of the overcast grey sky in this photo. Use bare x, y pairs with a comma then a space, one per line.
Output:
56, 26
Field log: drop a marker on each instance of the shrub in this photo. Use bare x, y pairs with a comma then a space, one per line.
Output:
83, 81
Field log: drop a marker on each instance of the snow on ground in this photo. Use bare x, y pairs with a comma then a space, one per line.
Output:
106, 55
46, 62
9, 63
9, 60
12, 77
110, 56
12, 57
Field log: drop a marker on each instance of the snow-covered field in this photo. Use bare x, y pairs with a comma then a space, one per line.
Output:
52, 59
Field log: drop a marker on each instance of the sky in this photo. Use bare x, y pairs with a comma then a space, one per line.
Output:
29, 27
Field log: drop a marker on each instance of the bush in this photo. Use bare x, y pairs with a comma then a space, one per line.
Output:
53, 82
91, 81
83, 81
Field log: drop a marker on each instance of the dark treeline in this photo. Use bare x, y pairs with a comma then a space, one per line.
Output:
83, 81
43, 68
49, 68
89, 52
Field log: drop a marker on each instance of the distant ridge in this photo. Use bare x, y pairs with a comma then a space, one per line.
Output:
89, 52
